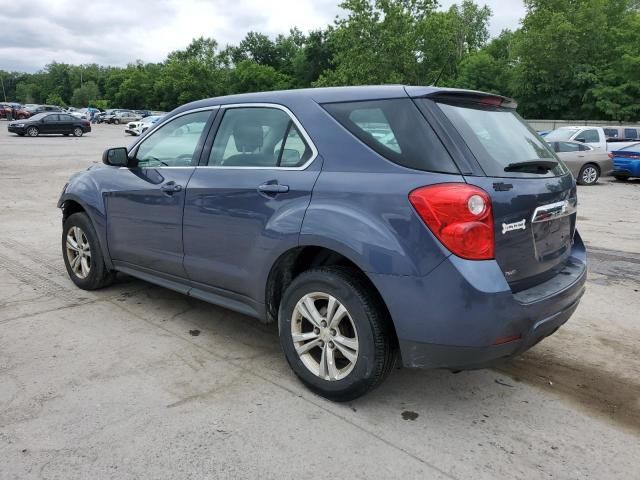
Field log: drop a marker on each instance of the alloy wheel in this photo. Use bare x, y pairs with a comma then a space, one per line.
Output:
78, 252
324, 336
589, 175
32, 132
77, 132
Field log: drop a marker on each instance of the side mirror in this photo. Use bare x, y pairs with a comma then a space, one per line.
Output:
580, 139
116, 157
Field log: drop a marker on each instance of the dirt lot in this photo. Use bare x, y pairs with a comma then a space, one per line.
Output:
135, 381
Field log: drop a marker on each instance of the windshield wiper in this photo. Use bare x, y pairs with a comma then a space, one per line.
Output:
534, 166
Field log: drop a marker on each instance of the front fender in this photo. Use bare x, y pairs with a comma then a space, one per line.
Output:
84, 190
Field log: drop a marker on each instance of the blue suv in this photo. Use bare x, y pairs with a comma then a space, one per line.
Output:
421, 225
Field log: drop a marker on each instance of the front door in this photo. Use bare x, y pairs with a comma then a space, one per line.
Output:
144, 212
49, 124
246, 204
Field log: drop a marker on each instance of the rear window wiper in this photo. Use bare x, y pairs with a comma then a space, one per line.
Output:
535, 166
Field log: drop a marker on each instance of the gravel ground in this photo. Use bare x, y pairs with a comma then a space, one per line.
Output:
136, 382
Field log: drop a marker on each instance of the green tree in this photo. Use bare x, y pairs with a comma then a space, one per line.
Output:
83, 96
55, 99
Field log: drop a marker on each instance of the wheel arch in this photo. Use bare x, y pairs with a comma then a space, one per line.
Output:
71, 203
299, 259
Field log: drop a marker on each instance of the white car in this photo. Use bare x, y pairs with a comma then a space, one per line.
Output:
593, 136
141, 126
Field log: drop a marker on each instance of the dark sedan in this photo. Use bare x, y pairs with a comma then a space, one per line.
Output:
50, 123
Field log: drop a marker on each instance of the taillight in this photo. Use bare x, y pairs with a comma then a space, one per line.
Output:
460, 216
610, 155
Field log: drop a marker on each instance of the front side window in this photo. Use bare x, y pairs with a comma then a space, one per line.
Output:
51, 118
175, 143
396, 130
588, 136
258, 137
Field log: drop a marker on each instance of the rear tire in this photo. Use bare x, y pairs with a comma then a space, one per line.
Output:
342, 356
589, 174
116, 122
77, 132
82, 254
621, 178
33, 131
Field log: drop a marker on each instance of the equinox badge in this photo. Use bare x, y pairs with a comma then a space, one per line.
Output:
509, 227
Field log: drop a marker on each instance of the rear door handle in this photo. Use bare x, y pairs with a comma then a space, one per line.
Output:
171, 187
273, 188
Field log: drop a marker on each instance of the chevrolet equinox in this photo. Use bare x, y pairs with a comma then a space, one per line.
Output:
422, 225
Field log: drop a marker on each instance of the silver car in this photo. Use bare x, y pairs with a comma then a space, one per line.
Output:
122, 116
586, 163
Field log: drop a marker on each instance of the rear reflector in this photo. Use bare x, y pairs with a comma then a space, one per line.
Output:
503, 340
460, 216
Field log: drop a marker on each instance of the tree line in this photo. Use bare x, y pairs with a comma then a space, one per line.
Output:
568, 59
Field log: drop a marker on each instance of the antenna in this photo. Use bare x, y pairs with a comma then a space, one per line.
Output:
446, 64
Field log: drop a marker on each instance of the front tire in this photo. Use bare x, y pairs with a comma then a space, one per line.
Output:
77, 132
621, 178
116, 122
589, 174
33, 131
335, 333
82, 254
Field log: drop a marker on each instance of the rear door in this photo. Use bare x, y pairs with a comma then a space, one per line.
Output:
246, 202
66, 123
572, 155
533, 195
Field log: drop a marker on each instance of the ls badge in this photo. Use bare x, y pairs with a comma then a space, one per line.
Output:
509, 227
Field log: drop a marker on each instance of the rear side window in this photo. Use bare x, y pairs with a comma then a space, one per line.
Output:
630, 133
396, 130
611, 132
565, 147
499, 137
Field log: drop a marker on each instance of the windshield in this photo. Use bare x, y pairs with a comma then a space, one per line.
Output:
38, 116
560, 134
499, 138
152, 119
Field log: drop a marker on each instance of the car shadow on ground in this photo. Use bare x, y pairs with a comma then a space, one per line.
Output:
253, 344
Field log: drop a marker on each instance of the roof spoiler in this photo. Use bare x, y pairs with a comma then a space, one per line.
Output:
457, 96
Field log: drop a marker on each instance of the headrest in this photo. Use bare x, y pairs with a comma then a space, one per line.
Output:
247, 135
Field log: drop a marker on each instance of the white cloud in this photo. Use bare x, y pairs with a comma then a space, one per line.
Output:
117, 32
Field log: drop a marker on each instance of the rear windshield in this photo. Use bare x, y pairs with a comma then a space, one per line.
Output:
499, 137
396, 130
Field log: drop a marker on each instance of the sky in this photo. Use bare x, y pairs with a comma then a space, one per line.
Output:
117, 32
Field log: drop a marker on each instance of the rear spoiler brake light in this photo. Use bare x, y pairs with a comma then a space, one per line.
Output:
469, 96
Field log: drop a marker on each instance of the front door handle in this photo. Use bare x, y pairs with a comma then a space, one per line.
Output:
171, 187
273, 188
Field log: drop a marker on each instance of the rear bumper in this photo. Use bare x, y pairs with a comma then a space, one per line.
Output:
627, 168
458, 316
